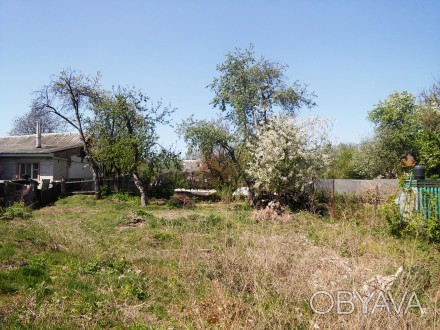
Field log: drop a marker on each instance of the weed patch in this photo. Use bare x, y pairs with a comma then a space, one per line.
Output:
17, 211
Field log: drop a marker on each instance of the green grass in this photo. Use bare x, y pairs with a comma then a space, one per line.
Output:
113, 264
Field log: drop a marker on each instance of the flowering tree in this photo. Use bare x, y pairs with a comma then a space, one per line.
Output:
288, 154
248, 91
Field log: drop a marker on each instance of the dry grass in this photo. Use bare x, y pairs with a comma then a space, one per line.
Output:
220, 266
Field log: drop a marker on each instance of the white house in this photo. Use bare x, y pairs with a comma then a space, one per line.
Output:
51, 156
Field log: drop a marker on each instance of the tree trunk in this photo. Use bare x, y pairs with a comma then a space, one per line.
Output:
251, 196
141, 188
97, 183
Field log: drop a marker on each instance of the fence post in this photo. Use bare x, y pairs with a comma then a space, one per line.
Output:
333, 199
376, 201
63, 186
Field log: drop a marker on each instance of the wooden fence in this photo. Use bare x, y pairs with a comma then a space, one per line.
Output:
10, 192
49, 195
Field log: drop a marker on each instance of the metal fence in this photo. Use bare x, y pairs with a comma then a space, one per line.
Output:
427, 197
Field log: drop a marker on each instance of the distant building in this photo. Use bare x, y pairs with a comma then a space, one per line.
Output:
50, 156
196, 172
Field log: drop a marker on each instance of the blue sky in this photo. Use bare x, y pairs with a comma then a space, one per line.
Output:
351, 53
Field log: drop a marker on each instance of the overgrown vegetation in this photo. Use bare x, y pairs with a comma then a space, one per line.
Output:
404, 221
404, 124
86, 263
119, 263
17, 210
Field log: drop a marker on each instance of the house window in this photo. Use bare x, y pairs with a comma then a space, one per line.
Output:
29, 169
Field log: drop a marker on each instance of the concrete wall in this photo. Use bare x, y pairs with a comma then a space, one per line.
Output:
358, 187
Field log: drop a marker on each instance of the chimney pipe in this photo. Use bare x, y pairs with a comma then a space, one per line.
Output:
38, 140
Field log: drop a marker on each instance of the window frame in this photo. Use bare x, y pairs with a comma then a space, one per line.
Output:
33, 167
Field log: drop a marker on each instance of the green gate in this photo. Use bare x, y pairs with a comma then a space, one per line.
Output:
427, 197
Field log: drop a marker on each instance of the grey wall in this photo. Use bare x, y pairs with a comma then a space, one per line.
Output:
358, 187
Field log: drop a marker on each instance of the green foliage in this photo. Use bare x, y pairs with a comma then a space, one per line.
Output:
212, 220
224, 152
162, 173
407, 222
122, 196
249, 89
225, 193
428, 138
163, 236
106, 263
396, 223
204, 136
17, 210
123, 132
105, 190
342, 164
395, 137
402, 127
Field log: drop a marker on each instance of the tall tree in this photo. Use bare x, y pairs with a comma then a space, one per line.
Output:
396, 130
429, 137
123, 132
341, 165
69, 96
25, 124
247, 91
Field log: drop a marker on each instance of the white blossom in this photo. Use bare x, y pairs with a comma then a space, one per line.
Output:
288, 153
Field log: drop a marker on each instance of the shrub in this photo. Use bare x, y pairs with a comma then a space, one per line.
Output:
17, 210
181, 201
286, 154
225, 194
124, 197
105, 190
272, 212
404, 221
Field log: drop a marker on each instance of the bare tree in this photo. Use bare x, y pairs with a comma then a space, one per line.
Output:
25, 124
431, 96
68, 96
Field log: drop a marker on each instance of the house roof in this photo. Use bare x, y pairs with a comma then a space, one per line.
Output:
50, 142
